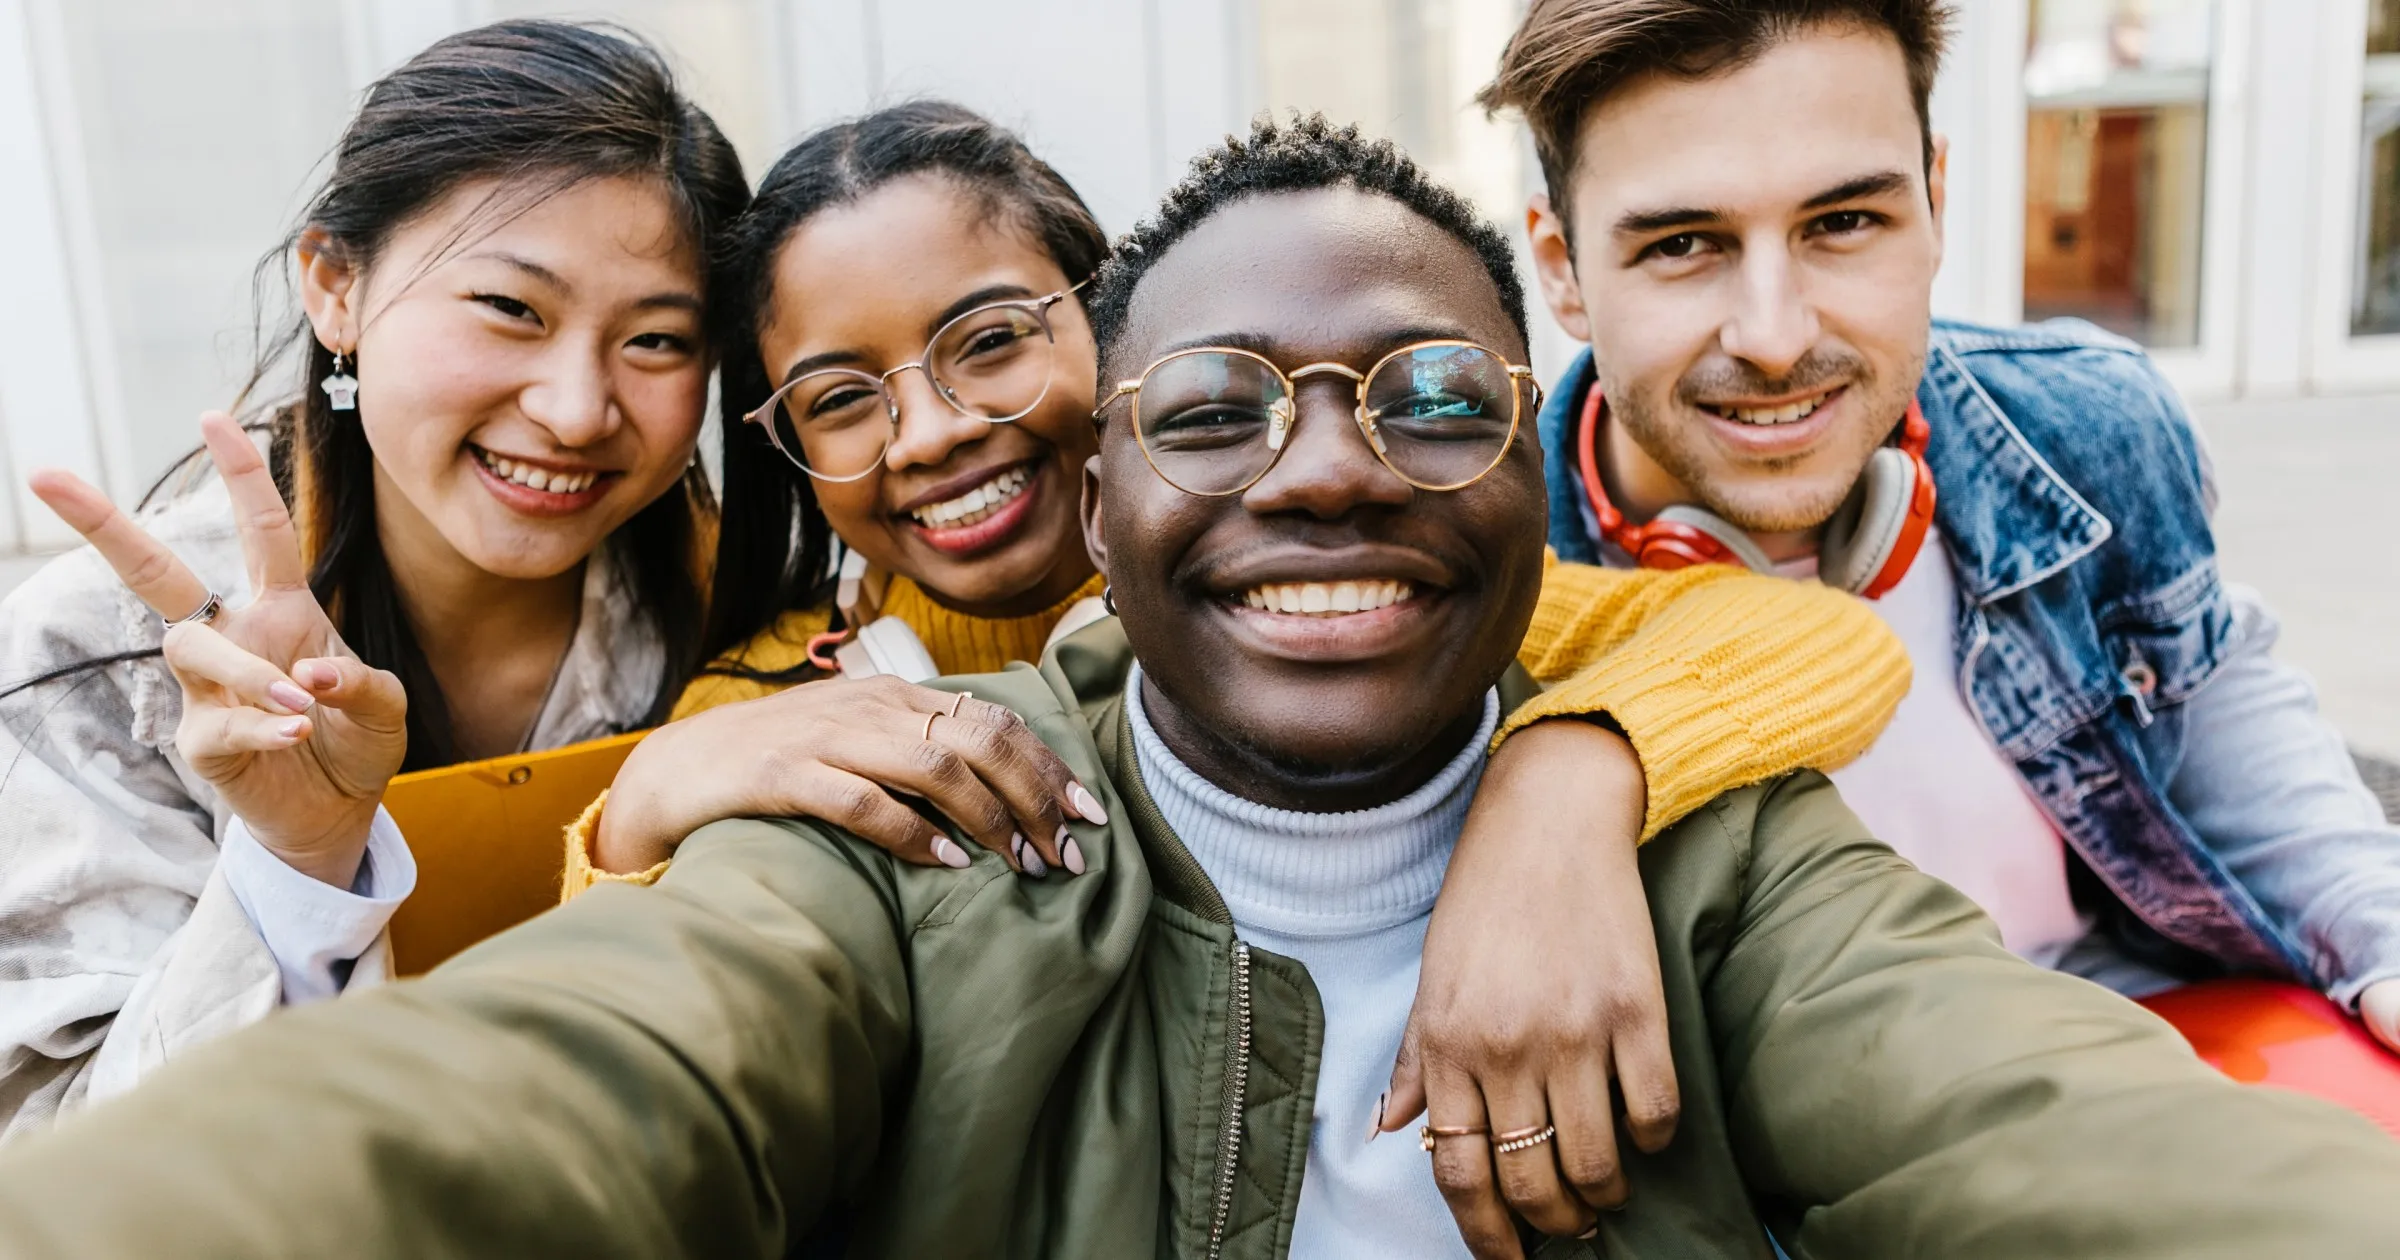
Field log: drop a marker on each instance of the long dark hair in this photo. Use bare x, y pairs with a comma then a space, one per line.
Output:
773, 545
539, 107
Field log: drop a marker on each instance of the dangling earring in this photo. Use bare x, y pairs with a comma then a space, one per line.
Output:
341, 387
1108, 598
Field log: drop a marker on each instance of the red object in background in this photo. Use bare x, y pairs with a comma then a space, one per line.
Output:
2262, 1033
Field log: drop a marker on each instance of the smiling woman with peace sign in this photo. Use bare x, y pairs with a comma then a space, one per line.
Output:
491, 544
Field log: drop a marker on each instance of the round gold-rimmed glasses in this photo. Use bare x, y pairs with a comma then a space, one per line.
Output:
993, 363
1439, 414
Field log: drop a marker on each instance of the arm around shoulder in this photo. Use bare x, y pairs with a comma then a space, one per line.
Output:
1720, 678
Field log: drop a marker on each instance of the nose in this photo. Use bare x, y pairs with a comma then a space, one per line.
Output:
573, 398
1327, 470
1773, 325
928, 428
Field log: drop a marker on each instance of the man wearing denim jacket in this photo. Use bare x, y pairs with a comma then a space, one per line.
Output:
1744, 222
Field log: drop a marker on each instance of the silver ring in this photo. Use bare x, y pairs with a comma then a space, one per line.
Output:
201, 616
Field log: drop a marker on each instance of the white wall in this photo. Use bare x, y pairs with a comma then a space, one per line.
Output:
46, 405
152, 150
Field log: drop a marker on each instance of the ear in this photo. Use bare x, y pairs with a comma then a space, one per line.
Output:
1937, 189
1095, 539
328, 287
1554, 267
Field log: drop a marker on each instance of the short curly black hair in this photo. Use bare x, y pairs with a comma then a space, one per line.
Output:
1305, 153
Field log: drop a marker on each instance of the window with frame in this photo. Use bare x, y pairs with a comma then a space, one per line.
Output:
2116, 140
2375, 274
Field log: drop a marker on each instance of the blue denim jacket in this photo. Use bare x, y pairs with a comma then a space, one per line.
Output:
2219, 821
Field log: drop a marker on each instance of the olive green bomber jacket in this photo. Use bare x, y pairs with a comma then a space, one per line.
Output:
794, 1036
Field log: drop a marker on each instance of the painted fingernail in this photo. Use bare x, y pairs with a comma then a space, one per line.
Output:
949, 853
315, 674
1593, 1232
1070, 855
293, 729
1382, 1100
289, 696
1029, 859
1085, 805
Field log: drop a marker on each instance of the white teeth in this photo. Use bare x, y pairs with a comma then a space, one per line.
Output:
1774, 415
533, 478
1322, 599
975, 504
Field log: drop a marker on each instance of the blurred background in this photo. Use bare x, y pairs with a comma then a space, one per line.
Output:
2217, 179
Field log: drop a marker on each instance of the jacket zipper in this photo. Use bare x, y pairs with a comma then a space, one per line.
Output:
1237, 1087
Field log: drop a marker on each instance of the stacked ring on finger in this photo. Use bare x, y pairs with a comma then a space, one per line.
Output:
1522, 1139
955, 705
1427, 1135
201, 616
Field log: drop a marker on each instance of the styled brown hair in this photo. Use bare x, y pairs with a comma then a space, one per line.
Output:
1569, 55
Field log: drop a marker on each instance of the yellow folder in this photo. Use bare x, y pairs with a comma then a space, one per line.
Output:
490, 842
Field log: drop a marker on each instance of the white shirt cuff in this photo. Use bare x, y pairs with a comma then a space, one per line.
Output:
315, 930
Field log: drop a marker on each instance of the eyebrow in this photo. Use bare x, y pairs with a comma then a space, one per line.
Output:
1644, 222
984, 296
670, 300
1879, 184
1266, 347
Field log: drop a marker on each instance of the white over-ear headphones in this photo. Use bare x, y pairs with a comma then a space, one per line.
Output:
1868, 544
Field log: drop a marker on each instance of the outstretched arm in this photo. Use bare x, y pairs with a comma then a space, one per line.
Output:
1900, 1085
691, 1070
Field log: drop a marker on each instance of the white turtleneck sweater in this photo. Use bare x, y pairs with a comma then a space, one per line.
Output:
1348, 895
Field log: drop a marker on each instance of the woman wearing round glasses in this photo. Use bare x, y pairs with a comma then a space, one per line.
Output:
913, 373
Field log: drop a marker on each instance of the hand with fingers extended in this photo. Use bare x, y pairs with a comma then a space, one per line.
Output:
843, 751
1540, 1018
279, 716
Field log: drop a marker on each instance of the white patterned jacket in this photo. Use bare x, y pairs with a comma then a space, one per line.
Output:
120, 943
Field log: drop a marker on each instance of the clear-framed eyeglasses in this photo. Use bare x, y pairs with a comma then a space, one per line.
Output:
993, 363
1439, 414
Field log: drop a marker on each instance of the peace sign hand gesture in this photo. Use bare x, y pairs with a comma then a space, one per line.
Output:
278, 714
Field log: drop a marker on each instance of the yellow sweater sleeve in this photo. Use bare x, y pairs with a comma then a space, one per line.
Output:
778, 648
1720, 678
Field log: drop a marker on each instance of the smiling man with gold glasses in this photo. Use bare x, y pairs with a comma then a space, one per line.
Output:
1439, 413
793, 1038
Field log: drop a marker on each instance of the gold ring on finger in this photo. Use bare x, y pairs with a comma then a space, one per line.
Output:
1427, 1134
201, 616
929, 720
1522, 1139
962, 699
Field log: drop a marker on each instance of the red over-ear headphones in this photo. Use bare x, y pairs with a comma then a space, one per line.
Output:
1868, 545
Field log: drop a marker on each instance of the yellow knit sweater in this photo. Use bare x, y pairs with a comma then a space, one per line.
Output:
1719, 677
958, 643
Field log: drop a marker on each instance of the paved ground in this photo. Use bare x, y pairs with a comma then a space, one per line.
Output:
2309, 488
2307, 491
